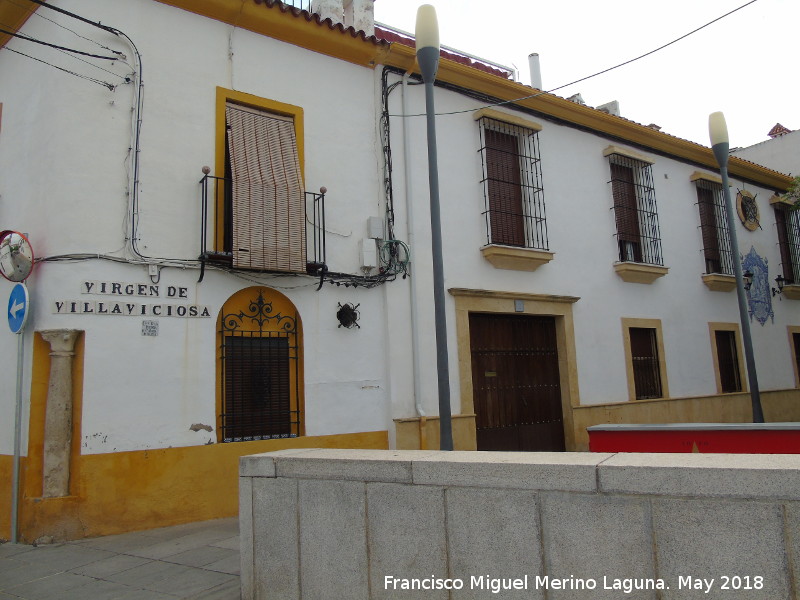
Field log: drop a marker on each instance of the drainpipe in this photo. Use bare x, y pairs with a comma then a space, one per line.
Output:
413, 288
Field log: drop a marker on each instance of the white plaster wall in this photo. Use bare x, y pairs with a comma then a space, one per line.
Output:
145, 392
781, 153
581, 230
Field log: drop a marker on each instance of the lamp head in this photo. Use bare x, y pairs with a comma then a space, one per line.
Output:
717, 129
718, 132
427, 42
427, 31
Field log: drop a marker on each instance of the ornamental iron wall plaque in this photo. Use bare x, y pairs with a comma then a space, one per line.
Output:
747, 209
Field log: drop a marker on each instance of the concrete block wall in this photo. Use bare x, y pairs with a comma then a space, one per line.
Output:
364, 524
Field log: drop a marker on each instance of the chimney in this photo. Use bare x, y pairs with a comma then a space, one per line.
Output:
358, 14
536, 71
611, 108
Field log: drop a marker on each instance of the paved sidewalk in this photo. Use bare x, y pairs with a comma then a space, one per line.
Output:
198, 561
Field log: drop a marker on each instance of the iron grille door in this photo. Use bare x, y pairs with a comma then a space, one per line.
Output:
516, 383
728, 362
268, 201
644, 355
257, 394
260, 374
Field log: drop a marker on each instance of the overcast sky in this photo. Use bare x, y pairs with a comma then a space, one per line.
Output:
744, 65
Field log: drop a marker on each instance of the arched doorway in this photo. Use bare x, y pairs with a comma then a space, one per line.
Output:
259, 367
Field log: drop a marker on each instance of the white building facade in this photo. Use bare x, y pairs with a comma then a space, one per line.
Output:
219, 312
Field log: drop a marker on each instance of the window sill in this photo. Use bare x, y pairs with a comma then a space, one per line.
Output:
717, 282
516, 259
639, 272
791, 291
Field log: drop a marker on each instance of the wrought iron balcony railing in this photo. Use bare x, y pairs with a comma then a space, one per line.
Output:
254, 226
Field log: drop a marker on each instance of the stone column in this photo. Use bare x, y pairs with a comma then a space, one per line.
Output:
58, 412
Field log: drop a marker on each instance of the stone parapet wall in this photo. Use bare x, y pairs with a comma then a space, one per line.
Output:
372, 524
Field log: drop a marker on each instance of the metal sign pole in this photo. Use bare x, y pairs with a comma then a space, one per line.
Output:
17, 441
16, 264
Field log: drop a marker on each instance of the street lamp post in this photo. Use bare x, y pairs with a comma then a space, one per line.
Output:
718, 132
427, 46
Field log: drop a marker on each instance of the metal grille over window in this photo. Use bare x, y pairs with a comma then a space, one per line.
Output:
714, 228
268, 201
788, 223
635, 211
728, 359
644, 355
260, 374
512, 185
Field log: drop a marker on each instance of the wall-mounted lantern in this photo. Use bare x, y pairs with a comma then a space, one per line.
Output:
747, 278
781, 281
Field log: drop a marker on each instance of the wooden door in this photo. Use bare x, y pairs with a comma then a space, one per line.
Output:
516, 382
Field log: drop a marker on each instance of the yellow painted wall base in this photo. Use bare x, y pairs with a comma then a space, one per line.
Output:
423, 434
6, 473
127, 491
779, 406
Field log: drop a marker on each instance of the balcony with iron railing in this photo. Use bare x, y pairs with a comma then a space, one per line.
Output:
284, 233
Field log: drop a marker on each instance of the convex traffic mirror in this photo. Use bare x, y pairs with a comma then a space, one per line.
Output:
16, 256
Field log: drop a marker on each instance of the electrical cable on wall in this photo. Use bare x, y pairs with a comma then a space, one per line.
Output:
105, 84
57, 47
57, 24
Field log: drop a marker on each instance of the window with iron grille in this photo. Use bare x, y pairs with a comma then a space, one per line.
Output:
728, 361
788, 223
714, 228
264, 200
260, 376
512, 185
645, 362
635, 211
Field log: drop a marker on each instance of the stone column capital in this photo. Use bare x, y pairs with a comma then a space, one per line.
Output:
62, 341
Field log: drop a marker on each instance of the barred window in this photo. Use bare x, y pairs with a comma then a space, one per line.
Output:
788, 223
645, 362
635, 211
714, 228
512, 183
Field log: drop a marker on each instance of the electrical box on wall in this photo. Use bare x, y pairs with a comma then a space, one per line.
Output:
375, 228
369, 254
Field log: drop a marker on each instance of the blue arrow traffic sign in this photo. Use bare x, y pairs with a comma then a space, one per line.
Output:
18, 308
